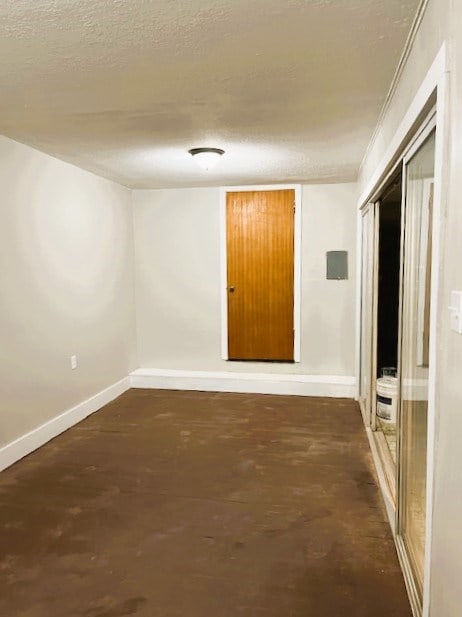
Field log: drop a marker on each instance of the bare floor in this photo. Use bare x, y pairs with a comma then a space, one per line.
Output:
191, 504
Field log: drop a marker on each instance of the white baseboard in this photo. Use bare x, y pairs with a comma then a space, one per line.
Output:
259, 383
208, 381
29, 442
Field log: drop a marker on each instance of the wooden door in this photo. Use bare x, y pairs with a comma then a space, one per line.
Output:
260, 263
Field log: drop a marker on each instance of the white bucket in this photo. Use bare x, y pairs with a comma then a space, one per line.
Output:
387, 398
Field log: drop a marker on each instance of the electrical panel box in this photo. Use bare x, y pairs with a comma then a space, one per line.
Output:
337, 265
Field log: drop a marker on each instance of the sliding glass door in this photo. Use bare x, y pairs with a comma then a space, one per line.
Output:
414, 365
405, 203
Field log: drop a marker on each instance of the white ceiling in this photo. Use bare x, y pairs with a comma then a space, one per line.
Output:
291, 89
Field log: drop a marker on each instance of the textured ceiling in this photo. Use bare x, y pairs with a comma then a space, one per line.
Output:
291, 89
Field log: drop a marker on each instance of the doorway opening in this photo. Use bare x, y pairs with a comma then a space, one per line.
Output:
388, 298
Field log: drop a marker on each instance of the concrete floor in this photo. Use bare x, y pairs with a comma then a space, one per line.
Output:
198, 504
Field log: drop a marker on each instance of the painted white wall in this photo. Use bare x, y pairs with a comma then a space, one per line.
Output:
433, 30
66, 258
442, 21
177, 272
447, 529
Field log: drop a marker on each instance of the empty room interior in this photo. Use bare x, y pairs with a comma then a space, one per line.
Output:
231, 309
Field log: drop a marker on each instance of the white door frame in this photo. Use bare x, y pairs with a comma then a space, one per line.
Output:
434, 83
369, 210
297, 188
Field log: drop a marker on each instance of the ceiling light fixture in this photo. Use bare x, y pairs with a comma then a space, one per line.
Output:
206, 157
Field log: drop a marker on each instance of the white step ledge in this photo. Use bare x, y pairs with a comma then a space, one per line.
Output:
260, 383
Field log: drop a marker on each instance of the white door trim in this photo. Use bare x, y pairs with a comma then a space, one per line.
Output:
297, 261
359, 300
439, 206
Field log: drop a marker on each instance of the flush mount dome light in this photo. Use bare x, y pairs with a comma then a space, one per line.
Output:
206, 157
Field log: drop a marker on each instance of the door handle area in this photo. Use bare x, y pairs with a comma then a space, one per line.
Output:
231, 289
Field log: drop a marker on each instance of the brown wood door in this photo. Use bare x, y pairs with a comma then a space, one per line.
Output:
260, 263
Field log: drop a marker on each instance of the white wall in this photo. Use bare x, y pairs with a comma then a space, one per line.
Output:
442, 21
66, 258
433, 30
177, 259
446, 600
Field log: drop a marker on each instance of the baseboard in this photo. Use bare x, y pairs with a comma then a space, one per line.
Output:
208, 381
29, 442
261, 383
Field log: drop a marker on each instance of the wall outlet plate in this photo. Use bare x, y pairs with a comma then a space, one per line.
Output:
73, 362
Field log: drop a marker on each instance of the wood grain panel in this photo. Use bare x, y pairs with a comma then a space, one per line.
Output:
260, 262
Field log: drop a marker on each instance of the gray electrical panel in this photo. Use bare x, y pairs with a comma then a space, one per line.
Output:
337, 265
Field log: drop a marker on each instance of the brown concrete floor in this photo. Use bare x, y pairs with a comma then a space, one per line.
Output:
199, 504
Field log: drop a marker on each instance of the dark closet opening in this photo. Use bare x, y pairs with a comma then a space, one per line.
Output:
388, 275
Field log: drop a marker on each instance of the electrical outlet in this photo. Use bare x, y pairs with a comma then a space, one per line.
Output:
73, 362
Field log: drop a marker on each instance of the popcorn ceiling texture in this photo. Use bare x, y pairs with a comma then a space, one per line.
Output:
291, 90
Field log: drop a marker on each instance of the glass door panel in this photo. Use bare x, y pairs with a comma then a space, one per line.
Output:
414, 365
